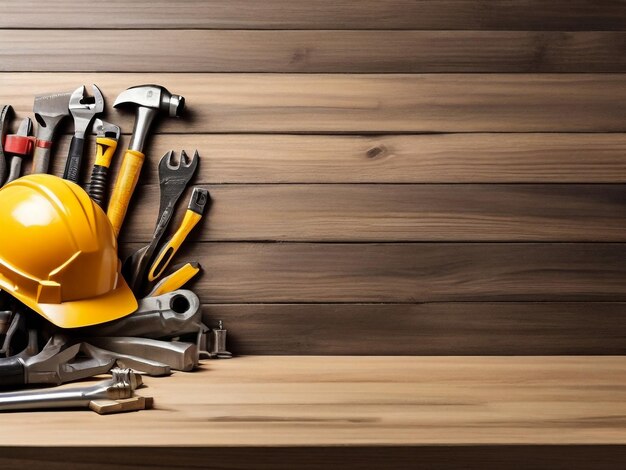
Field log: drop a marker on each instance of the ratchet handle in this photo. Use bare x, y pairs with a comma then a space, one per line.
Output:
41, 156
124, 188
74, 159
12, 372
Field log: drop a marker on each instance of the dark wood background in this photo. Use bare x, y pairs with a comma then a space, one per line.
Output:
388, 177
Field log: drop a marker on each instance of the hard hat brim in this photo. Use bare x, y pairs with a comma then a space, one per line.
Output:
78, 313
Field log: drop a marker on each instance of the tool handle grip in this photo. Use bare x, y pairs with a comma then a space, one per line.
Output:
105, 148
15, 169
74, 159
12, 372
3, 167
124, 188
98, 184
171, 247
176, 280
41, 158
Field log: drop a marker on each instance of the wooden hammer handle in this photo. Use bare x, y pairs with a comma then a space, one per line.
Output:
124, 187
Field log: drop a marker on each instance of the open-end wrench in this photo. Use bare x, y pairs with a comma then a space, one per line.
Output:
5, 112
49, 109
19, 145
173, 180
120, 386
83, 109
107, 136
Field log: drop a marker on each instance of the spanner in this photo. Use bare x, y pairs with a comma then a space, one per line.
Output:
173, 180
120, 386
83, 110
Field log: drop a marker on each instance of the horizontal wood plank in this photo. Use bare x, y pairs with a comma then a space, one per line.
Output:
414, 272
309, 103
466, 328
327, 51
355, 401
434, 158
364, 212
318, 14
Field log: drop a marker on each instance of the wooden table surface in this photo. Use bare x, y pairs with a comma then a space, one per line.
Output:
372, 401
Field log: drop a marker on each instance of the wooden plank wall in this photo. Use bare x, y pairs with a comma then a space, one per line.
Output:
388, 177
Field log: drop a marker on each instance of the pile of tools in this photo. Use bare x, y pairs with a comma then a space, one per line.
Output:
43, 343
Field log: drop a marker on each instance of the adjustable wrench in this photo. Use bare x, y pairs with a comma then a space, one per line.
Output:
107, 136
83, 109
120, 386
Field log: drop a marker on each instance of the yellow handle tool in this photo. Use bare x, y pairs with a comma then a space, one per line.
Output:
124, 188
176, 280
195, 210
105, 148
107, 137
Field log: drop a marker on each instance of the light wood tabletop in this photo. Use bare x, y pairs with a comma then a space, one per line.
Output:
356, 401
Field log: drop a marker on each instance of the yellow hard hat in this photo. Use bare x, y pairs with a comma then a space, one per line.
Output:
58, 253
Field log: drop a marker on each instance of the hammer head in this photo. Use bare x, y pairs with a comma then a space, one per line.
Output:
49, 110
152, 96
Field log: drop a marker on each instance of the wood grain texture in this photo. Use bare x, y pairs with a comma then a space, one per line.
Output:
319, 14
309, 103
312, 51
424, 212
406, 272
357, 457
348, 401
437, 158
445, 328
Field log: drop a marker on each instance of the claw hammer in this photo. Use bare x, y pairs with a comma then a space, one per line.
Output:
150, 100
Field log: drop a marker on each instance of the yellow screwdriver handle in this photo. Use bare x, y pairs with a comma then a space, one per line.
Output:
124, 188
176, 280
166, 254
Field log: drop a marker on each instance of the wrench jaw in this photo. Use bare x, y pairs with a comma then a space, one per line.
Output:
168, 161
83, 108
106, 129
